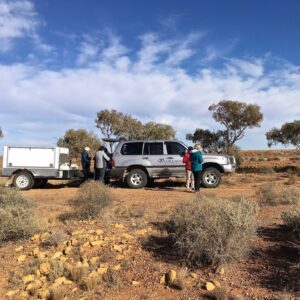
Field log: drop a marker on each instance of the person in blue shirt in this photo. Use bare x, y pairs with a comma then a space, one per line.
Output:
196, 160
86, 163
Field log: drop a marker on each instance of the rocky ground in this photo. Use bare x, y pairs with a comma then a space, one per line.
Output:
124, 255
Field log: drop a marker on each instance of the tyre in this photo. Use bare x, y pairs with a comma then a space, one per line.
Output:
41, 182
136, 179
210, 178
23, 181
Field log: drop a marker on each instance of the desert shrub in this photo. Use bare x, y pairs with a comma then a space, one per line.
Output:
213, 231
91, 199
292, 221
270, 195
292, 179
17, 218
266, 170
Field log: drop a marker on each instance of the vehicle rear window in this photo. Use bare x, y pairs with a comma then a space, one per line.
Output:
174, 148
132, 148
153, 149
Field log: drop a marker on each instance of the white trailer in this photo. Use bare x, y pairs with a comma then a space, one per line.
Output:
31, 166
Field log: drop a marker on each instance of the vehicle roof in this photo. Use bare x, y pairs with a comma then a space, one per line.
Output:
147, 141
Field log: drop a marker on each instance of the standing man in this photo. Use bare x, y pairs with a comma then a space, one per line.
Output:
196, 165
86, 162
188, 166
101, 160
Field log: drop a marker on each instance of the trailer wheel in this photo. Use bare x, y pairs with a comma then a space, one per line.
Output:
23, 181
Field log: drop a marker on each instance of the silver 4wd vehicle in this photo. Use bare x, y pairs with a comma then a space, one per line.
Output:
140, 162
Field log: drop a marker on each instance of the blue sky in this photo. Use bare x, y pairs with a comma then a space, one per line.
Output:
164, 61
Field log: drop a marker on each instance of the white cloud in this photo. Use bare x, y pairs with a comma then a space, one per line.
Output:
19, 19
38, 104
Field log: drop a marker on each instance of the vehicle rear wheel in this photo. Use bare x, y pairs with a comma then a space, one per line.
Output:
210, 178
136, 179
23, 181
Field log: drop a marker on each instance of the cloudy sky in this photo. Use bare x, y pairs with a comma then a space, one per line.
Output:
164, 61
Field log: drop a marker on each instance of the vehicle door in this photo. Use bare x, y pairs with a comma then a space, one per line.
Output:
175, 152
154, 153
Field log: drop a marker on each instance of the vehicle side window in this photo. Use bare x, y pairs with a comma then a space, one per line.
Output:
153, 149
132, 148
174, 148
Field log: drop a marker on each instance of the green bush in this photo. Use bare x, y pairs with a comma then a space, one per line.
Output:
209, 231
17, 218
91, 199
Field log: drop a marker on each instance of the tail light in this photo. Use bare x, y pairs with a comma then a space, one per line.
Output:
113, 164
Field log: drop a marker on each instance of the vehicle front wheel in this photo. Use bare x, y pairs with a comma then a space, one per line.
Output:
136, 179
23, 181
210, 178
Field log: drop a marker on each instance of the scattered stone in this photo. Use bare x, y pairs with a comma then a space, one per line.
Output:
35, 238
209, 286
119, 226
94, 260
19, 249
141, 232
127, 236
86, 244
42, 255
74, 242
118, 248
102, 270
171, 276
44, 293
116, 267
56, 255
78, 232
135, 283
63, 281
67, 251
21, 258
33, 286
11, 293
163, 279
119, 257
28, 278
216, 283
45, 235
99, 232
194, 275
36, 251
45, 268
97, 243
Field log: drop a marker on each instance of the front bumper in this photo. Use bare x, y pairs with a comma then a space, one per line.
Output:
229, 168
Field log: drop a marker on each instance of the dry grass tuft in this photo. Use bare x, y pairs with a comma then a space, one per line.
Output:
17, 218
92, 198
209, 231
270, 195
57, 236
292, 221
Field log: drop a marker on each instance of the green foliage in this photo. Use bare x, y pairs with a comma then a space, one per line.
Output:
114, 124
213, 230
17, 218
288, 134
157, 131
236, 117
76, 140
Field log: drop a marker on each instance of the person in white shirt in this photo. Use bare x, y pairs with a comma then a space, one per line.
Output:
101, 160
